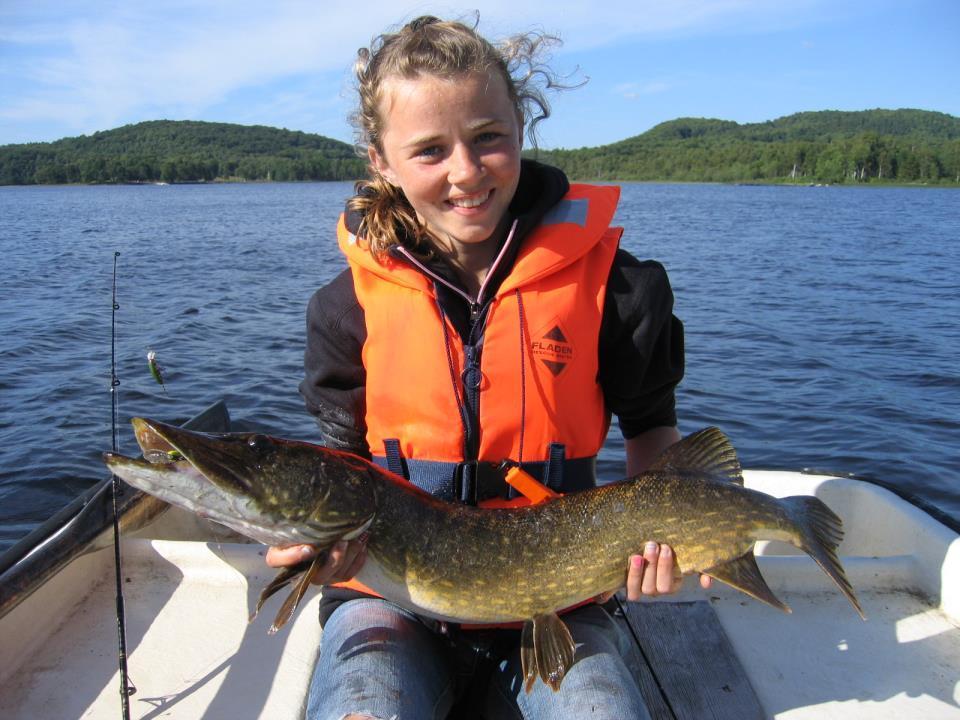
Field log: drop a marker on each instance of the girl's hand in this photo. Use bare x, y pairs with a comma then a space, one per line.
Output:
343, 562
655, 573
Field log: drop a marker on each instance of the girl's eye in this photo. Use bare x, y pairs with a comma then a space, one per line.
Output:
429, 152
487, 137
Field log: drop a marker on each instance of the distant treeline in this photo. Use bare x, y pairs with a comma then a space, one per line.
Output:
181, 151
897, 146
900, 146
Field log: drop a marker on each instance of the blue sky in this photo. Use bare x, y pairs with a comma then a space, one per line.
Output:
74, 67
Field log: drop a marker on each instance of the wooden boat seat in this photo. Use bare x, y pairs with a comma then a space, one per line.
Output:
690, 669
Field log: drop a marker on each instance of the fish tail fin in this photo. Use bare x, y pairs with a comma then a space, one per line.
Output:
820, 531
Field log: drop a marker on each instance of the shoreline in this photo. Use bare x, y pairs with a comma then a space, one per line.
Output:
732, 183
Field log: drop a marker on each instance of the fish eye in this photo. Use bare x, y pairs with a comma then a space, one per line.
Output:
258, 442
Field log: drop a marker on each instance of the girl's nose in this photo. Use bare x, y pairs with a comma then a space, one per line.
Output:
465, 165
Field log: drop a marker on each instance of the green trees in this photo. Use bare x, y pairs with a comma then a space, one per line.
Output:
180, 151
904, 146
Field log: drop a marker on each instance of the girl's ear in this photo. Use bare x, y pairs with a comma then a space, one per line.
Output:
380, 165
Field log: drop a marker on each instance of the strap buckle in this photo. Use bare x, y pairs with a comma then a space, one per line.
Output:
475, 481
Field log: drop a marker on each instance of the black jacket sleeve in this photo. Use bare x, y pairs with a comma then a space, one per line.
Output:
641, 346
334, 376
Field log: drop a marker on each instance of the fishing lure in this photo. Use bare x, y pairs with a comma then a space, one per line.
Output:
155, 368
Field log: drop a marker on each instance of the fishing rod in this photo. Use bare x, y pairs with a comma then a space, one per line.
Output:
127, 688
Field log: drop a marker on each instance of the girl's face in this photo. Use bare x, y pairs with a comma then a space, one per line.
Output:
453, 147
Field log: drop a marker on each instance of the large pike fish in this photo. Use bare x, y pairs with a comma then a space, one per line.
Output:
479, 565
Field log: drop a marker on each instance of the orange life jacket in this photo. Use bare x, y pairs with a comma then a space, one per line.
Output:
560, 276
536, 378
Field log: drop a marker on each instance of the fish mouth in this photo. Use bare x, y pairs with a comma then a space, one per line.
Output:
201, 473
175, 481
221, 458
180, 483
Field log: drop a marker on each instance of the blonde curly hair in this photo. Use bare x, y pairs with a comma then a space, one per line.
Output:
446, 49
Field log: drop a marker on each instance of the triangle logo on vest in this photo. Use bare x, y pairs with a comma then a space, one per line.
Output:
551, 347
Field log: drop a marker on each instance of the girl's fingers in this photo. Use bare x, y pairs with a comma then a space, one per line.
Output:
656, 573
665, 580
344, 559
635, 577
651, 556
354, 558
328, 573
278, 557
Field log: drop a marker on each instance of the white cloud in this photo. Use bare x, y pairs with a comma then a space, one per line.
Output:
634, 91
92, 65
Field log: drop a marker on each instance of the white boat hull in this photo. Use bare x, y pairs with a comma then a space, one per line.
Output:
192, 653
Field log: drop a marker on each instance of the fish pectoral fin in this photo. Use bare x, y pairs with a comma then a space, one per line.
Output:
744, 575
294, 598
280, 581
546, 651
285, 577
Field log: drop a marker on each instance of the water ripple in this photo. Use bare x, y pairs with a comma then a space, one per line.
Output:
821, 323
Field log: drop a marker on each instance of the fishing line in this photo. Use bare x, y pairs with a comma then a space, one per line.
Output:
127, 688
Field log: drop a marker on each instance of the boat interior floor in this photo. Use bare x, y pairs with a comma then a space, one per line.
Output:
193, 655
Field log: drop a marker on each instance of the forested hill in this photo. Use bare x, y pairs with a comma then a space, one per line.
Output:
901, 146
906, 146
181, 151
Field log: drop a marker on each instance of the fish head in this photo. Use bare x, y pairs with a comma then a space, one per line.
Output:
273, 490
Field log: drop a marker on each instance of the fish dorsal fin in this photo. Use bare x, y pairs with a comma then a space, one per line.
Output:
707, 450
744, 575
546, 650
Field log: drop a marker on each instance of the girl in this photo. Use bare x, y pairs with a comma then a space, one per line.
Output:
487, 315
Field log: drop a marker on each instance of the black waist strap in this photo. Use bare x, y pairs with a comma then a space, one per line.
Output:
473, 481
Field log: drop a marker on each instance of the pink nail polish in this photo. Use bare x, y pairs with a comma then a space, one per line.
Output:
637, 561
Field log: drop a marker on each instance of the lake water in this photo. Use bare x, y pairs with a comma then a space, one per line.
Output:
822, 324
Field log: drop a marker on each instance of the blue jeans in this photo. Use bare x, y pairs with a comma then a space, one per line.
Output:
381, 660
